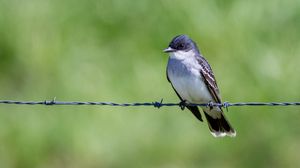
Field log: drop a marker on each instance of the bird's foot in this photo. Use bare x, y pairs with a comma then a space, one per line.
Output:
226, 105
182, 104
210, 104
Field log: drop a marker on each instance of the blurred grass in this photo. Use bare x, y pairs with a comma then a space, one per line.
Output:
112, 51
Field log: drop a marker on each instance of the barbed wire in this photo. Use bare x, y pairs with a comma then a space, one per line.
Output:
156, 104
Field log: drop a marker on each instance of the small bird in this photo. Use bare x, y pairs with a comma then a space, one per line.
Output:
194, 82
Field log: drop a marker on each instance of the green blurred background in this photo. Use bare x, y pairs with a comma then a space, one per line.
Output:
112, 51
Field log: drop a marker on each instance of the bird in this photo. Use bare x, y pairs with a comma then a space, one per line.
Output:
194, 82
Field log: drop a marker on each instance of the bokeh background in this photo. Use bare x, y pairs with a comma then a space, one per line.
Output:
111, 50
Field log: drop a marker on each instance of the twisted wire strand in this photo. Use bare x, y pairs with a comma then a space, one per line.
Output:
156, 104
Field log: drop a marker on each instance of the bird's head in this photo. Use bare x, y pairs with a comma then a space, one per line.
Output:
181, 43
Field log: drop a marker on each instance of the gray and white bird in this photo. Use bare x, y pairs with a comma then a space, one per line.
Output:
194, 82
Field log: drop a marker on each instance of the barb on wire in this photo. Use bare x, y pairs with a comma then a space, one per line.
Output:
154, 104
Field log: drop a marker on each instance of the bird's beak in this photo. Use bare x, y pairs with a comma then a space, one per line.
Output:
169, 49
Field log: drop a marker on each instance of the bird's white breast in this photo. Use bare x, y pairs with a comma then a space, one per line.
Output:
184, 73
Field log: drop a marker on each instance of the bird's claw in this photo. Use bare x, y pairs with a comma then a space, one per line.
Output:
210, 104
226, 105
182, 104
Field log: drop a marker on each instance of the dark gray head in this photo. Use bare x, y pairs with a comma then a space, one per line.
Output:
181, 43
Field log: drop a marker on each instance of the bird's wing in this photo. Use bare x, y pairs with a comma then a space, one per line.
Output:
209, 79
193, 109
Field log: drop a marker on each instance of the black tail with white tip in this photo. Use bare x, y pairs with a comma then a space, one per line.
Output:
218, 125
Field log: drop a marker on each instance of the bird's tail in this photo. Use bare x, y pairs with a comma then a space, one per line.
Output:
218, 124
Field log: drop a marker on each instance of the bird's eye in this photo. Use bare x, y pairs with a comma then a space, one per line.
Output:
181, 46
